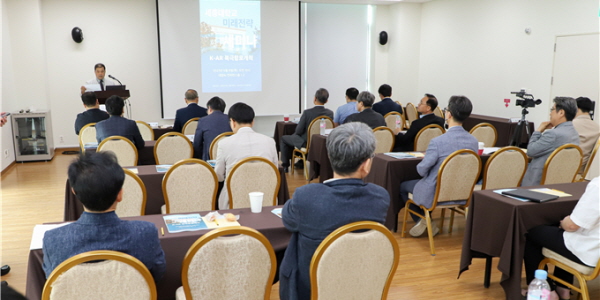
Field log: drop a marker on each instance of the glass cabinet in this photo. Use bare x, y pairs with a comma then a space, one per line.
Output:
32, 136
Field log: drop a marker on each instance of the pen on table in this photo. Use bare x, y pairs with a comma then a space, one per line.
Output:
216, 222
162, 231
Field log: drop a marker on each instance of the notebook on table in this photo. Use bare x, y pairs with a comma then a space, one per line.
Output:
530, 195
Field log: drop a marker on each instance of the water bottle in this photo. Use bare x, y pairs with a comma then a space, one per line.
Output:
397, 121
539, 288
322, 125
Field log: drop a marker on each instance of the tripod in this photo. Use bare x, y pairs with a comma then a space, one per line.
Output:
516, 138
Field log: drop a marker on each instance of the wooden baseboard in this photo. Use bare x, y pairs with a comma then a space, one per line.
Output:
12, 164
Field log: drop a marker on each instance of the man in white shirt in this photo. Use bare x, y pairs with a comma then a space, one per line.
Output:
100, 71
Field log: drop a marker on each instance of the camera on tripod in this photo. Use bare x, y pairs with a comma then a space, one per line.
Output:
526, 100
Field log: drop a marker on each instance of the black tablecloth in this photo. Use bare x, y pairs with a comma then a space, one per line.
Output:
503, 126
283, 128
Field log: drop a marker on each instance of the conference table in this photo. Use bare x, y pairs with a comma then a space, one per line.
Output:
154, 199
320, 166
158, 132
504, 128
145, 155
496, 227
283, 128
175, 246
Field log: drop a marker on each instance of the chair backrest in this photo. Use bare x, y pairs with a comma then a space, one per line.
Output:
505, 169
562, 165
134, 196
252, 174
123, 148
438, 112
87, 134
485, 133
411, 113
426, 134
221, 266
392, 118
314, 127
172, 147
117, 276
354, 265
145, 130
190, 185
385, 139
215, 142
592, 169
190, 126
457, 177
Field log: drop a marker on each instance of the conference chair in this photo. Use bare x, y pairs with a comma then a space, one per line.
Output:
385, 139
228, 263
122, 147
426, 134
189, 185
591, 170
411, 114
456, 177
252, 174
190, 126
438, 112
215, 143
355, 265
313, 128
583, 273
486, 133
116, 276
87, 134
562, 165
399, 103
392, 118
172, 147
145, 130
504, 169
134, 196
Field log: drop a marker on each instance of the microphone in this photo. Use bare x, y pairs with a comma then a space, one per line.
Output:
112, 77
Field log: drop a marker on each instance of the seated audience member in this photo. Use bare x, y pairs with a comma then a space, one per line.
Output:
298, 139
576, 238
92, 113
243, 143
347, 109
456, 138
588, 129
549, 136
97, 181
406, 141
210, 127
193, 110
367, 115
117, 125
318, 209
386, 105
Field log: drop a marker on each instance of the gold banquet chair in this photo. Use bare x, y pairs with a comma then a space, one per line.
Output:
438, 112
355, 265
134, 196
456, 177
562, 165
116, 276
190, 126
313, 128
145, 130
228, 263
189, 185
87, 135
426, 134
392, 117
252, 174
410, 114
583, 273
592, 169
385, 139
504, 169
122, 147
485, 133
214, 145
172, 147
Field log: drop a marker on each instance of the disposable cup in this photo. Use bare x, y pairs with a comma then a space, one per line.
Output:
256, 201
481, 146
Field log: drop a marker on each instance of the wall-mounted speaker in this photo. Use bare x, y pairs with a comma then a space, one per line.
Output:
77, 34
383, 38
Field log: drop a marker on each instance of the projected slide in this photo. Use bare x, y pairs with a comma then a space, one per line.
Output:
230, 43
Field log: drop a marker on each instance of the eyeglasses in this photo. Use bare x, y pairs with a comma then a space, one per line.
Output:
445, 110
553, 108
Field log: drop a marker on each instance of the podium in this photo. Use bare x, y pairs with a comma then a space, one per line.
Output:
103, 95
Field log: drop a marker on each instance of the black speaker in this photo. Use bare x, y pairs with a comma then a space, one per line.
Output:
77, 34
383, 38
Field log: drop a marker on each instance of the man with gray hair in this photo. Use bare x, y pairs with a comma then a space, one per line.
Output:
193, 110
318, 209
367, 115
549, 136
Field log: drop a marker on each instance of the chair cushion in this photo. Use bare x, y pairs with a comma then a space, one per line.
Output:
583, 269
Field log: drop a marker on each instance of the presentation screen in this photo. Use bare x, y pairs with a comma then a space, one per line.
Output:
241, 51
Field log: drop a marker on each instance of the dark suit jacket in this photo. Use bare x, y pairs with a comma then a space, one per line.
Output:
104, 231
314, 212
367, 116
406, 141
386, 105
183, 115
93, 115
308, 115
116, 125
208, 129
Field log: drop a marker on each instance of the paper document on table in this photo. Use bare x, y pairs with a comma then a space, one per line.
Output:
506, 190
37, 238
162, 168
219, 222
134, 170
277, 212
551, 192
92, 87
190, 137
188, 222
401, 155
490, 150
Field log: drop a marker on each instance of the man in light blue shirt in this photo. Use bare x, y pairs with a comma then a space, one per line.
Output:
347, 109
